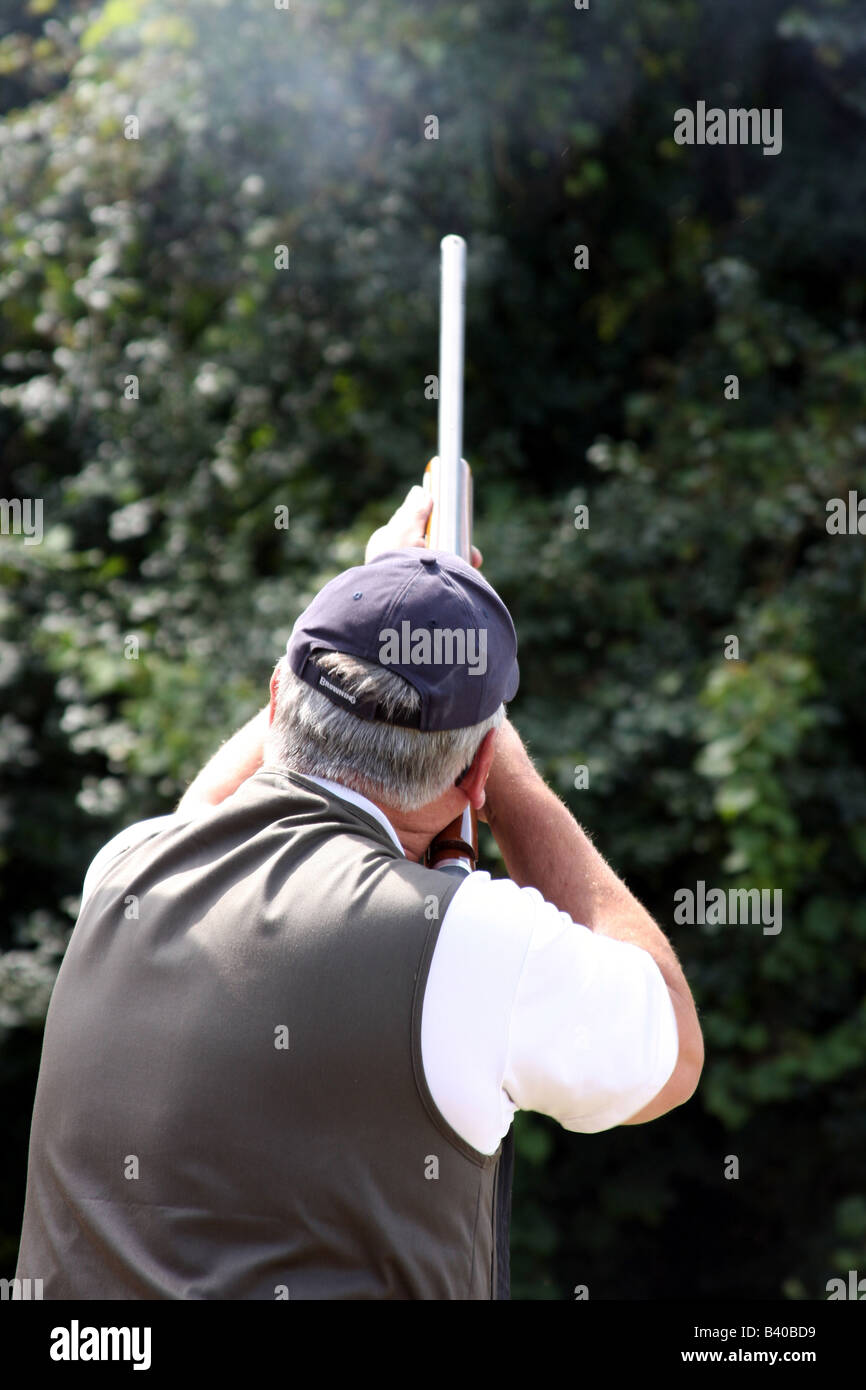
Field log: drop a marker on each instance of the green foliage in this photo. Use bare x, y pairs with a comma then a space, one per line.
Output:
304, 388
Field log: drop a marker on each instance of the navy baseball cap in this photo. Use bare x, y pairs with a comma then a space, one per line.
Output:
429, 616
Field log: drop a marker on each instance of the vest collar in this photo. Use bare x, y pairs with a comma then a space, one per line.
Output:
346, 794
362, 802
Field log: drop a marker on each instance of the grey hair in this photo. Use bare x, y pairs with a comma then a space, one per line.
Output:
403, 767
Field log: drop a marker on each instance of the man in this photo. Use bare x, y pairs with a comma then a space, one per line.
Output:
283, 1055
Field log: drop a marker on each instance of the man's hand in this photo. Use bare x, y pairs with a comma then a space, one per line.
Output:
407, 527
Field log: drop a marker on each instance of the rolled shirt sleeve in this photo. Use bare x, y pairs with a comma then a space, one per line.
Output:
526, 1009
593, 1035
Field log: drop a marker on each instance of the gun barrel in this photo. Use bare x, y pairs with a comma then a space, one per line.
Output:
451, 523
449, 480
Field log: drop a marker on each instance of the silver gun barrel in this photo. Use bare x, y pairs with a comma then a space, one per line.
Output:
451, 525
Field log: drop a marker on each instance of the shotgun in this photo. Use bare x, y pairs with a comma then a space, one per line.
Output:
447, 478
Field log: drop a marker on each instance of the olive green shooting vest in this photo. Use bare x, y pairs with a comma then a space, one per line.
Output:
231, 1102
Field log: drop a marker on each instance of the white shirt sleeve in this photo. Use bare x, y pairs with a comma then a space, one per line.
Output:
593, 1031
526, 1009
133, 835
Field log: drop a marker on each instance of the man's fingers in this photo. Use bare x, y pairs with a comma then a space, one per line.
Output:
414, 514
418, 504
416, 500
408, 526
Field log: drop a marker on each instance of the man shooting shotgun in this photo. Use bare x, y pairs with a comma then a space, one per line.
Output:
292, 1071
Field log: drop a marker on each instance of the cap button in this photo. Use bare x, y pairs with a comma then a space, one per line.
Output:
427, 559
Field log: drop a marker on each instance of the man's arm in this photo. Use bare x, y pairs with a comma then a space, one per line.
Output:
545, 848
237, 760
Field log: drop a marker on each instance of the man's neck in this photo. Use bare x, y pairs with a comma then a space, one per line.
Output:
416, 829
413, 829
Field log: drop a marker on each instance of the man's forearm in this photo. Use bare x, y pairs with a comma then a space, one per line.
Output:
237, 760
545, 848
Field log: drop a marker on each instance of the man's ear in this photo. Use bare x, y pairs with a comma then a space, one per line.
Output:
275, 685
472, 781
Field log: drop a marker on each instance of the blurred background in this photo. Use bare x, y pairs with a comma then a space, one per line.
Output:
257, 388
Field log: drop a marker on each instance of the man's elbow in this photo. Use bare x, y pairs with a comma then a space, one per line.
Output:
682, 1082
691, 1060
691, 1075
